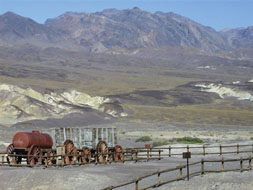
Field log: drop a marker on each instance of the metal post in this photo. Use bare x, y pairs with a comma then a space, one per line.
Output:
170, 150
159, 156
220, 150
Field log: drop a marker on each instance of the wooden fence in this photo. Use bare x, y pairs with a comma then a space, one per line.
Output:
144, 154
201, 170
195, 150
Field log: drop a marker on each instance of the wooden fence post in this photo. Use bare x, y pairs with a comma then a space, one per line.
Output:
204, 150
220, 149
62, 160
222, 164
181, 171
170, 150
57, 160
137, 184
159, 178
241, 165
136, 156
46, 162
250, 162
202, 166
238, 149
188, 148
159, 156
147, 155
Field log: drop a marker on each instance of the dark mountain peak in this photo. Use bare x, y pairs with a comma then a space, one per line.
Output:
9, 13
14, 27
136, 9
12, 17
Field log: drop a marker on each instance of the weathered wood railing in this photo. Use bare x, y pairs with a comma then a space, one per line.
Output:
201, 150
143, 154
135, 184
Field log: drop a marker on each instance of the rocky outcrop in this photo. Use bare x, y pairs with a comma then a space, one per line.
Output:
22, 104
223, 91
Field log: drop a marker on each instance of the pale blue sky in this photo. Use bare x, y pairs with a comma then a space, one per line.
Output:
218, 14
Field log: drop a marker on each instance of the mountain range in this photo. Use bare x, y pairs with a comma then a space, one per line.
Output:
120, 31
150, 66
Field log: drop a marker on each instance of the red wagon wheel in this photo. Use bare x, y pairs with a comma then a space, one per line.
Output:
118, 154
86, 155
12, 159
51, 160
34, 156
70, 152
102, 152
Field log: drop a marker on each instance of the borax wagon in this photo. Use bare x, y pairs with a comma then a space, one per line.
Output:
65, 146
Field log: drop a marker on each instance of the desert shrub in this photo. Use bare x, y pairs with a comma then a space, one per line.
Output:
190, 140
143, 139
159, 143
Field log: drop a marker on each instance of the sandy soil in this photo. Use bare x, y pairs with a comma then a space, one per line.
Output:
220, 181
100, 176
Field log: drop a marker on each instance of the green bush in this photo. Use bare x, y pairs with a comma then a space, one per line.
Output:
189, 140
143, 139
159, 143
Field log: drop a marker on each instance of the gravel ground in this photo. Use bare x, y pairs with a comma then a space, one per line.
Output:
95, 177
217, 181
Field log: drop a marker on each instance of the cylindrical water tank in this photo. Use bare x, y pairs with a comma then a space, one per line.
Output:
26, 140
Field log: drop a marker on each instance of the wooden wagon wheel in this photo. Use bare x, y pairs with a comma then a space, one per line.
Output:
102, 152
70, 152
118, 154
51, 159
34, 156
12, 159
86, 155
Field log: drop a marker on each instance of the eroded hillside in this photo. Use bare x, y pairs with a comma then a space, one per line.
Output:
22, 104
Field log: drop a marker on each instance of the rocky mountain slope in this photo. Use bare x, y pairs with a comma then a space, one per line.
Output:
15, 28
112, 30
134, 28
239, 37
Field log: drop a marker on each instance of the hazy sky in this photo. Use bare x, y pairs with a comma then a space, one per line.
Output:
218, 14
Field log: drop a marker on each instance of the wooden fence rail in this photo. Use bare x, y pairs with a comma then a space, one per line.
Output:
202, 150
143, 154
180, 168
